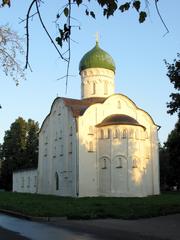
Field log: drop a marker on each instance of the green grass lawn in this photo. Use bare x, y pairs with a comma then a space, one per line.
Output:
90, 207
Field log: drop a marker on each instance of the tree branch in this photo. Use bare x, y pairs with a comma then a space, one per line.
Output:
27, 33
45, 29
158, 12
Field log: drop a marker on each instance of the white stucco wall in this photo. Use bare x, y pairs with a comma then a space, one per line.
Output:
57, 152
25, 181
142, 180
97, 82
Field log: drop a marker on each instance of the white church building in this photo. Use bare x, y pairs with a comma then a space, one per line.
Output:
100, 145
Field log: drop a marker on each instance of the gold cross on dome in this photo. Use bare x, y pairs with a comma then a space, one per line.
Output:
97, 37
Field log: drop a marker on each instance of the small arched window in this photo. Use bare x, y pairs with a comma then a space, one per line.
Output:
90, 130
22, 182
70, 131
119, 163
101, 133
70, 147
104, 163
57, 180
131, 133
45, 152
119, 104
94, 88
146, 134
90, 147
56, 136
124, 133
61, 152
28, 182
137, 134
109, 133
135, 163
105, 88
115, 133
60, 134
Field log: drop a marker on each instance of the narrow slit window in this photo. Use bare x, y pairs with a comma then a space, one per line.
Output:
57, 181
124, 133
119, 163
105, 88
90, 147
104, 164
94, 88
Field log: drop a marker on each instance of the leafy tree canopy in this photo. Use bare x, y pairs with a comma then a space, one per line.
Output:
174, 77
10, 50
19, 149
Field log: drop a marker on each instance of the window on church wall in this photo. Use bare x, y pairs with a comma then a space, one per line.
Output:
54, 113
147, 153
105, 88
115, 133
119, 163
142, 132
102, 134
46, 140
137, 134
45, 152
70, 131
108, 133
22, 182
61, 150
146, 135
104, 163
57, 181
135, 163
131, 133
70, 147
54, 152
90, 147
119, 104
59, 112
56, 136
94, 88
124, 133
90, 132
28, 182
60, 134
35, 181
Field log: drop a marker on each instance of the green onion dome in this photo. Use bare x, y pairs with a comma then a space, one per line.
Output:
97, 58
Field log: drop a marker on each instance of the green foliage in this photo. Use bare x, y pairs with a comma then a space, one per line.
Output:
137, 5
90, 207
6, 2
64, 35
174, 77
10, 50
142, 16
66, 11
125, 7
109, 7
20, 149
172, 147
170, 160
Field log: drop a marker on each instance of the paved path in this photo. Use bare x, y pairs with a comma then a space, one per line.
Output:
9, 235
158, 228
165, 227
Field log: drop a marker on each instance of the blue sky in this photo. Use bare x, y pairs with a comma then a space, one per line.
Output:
137, 49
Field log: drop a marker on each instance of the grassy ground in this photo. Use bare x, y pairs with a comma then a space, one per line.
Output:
92, 207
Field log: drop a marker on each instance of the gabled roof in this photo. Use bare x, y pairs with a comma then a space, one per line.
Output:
79, 106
